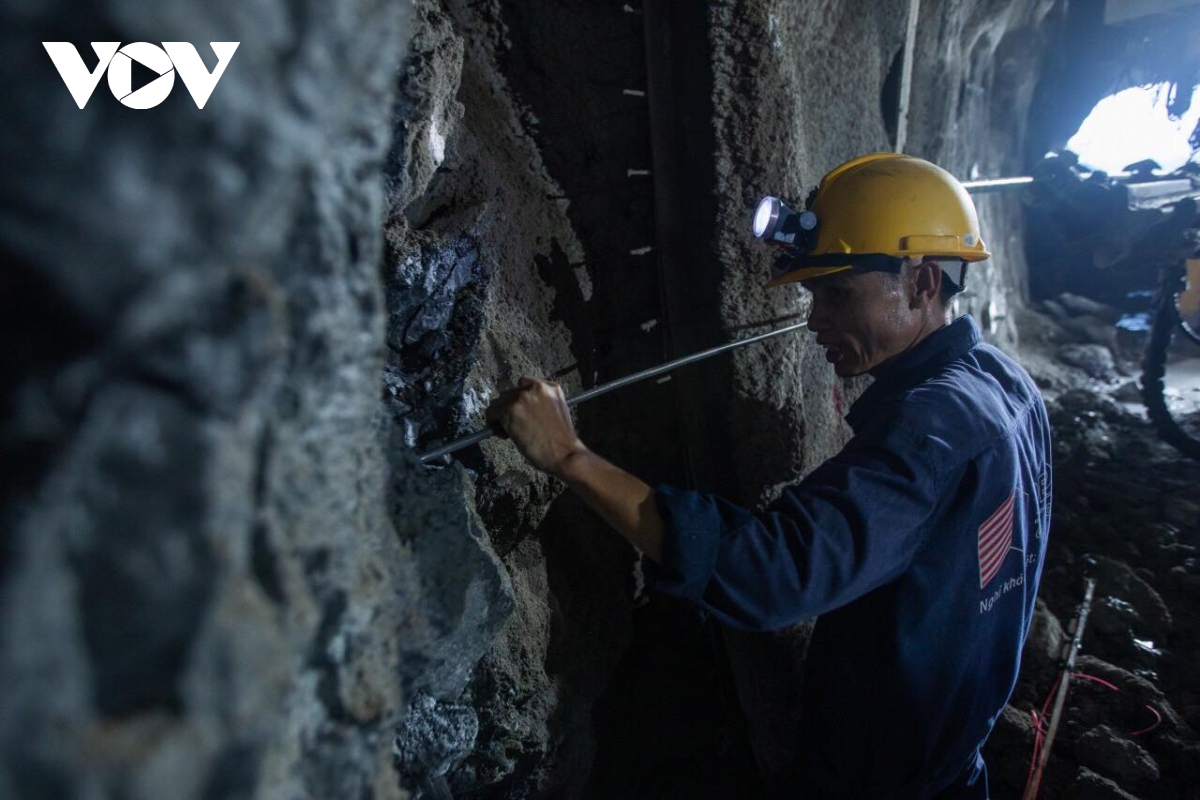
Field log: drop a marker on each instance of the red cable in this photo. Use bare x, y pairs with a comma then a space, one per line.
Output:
1157, 716
1100, 681
1037, 748
1157, 721
1040, 731
1039, 737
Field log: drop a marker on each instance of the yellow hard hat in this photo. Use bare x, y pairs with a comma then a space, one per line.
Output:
876, 210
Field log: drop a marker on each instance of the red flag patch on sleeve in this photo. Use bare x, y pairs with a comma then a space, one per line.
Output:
995, 537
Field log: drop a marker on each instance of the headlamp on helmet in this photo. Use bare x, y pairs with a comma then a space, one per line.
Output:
874, 212
794, 231
778, 224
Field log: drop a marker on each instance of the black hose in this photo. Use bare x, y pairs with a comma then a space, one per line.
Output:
1166, 322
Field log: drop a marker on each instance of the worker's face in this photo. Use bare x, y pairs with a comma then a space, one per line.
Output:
862, 319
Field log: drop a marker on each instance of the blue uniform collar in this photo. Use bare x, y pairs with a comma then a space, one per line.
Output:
910, 368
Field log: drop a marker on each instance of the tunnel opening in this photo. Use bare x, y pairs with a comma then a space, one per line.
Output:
1120, 88
1157, 122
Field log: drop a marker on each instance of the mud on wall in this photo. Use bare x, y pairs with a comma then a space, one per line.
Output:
223, 572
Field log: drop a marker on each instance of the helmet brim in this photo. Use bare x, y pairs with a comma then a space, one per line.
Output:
806, 273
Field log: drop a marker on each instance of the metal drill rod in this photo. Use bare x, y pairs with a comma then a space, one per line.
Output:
596, 391
996, 184
1000, 184
974, 187
1064, 682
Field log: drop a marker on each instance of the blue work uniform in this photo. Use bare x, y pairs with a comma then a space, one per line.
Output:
920, 545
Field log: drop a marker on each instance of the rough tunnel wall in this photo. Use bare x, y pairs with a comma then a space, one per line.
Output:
202, 595
544, 188
800, 88
488, 279
223, 571
971, 114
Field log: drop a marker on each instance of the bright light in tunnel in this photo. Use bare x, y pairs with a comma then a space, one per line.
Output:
1133, 125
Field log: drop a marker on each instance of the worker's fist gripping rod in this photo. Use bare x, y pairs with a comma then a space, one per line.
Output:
605, 388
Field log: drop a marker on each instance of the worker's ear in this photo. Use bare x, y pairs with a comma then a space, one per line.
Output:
925, 284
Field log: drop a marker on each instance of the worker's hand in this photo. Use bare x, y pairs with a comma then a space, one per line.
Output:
536, 416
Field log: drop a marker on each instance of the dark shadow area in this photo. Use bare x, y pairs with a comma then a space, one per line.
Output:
687, 738
889, 98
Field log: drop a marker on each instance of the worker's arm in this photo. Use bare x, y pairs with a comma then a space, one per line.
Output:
537, 418
851, 526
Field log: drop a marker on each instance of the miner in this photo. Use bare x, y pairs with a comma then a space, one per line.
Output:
919, 546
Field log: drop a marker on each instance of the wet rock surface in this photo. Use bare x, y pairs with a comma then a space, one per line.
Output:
435, 739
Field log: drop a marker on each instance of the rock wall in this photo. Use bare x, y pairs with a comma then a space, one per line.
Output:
224, 572
202, 594
488, 280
